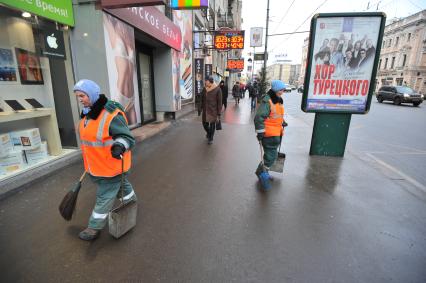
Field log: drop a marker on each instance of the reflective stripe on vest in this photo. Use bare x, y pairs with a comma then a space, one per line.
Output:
273, 124
96, 146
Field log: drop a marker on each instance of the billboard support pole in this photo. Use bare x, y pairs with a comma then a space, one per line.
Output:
330, 134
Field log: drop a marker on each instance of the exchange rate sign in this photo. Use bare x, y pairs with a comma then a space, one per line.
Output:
235, 64
229, 39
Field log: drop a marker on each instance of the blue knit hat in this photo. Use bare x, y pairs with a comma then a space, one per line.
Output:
91, 89
277, 85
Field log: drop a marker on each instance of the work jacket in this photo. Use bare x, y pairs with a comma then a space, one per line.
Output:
269, 117
96, 143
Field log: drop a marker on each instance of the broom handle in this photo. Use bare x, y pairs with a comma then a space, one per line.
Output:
122, 179
82, 176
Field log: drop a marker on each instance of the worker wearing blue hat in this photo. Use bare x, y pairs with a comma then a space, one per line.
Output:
105, 143
269, 124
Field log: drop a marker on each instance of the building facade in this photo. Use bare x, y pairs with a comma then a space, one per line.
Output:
403, 53
304, 61
288, 73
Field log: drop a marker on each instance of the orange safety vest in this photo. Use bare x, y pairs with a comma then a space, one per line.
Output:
274, 123
96, 146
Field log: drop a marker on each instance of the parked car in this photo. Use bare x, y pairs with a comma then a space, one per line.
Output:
399, 94
289, 88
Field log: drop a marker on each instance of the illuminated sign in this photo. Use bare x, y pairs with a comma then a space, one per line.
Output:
235, 64
229, 39
188, 4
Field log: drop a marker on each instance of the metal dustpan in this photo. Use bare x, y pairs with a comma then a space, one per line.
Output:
122, 218
278, 165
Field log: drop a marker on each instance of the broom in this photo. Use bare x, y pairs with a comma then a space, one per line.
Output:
67, 205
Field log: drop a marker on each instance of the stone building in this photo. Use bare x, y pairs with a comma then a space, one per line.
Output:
403, 53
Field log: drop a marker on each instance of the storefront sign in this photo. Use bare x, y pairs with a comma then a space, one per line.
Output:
235, 64
114, 4
256, 35
199, 84
59, 11
342, 62
53, 43
208, 70
229, 39
189, 4
153, 22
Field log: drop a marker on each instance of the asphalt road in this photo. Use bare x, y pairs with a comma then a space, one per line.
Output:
394, 136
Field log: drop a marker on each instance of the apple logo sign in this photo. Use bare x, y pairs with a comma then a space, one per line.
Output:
51, 41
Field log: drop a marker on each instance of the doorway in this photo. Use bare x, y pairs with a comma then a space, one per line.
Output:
146, 83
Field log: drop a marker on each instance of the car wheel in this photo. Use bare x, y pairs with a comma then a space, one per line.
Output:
415, 104
380, 99
397, 101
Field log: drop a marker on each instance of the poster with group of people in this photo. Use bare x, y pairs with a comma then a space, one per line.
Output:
341, 68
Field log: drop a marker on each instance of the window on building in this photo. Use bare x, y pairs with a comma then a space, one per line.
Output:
386, 63
380, 64
396, 42
409, 37
404, 59
384, 42
393, 62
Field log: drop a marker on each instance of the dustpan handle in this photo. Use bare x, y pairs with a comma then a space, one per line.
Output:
122, 179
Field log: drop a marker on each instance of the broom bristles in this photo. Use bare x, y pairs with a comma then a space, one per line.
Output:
67, 205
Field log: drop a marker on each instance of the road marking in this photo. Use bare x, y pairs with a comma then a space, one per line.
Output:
395, 170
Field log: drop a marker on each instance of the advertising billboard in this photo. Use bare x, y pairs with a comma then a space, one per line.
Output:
344, 49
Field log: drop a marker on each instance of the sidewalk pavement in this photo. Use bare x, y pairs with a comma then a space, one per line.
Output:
203, 218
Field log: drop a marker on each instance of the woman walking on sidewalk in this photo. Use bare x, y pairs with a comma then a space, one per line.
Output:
105, 140
211, 103
269, 123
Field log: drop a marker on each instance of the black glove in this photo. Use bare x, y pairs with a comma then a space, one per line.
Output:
260, 136
285, 124
117, 150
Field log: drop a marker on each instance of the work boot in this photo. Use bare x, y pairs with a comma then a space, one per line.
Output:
89, 234
265, 180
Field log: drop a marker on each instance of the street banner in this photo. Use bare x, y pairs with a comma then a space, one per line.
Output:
344, 49
256, 36
208, 70
199, 83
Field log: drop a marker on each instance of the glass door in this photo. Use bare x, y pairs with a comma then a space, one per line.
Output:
146, 86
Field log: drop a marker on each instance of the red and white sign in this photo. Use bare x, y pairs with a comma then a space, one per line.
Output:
114, 4
153, 22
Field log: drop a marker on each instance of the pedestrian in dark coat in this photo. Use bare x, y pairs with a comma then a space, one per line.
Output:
236, 92
211, 101
224, 89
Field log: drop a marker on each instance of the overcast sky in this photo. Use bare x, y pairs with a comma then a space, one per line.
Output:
295, 15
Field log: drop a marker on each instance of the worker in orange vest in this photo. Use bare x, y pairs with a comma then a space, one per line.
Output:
105, 142
269, 124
